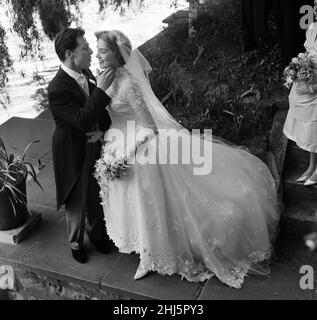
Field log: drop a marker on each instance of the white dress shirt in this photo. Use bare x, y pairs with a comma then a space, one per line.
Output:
82, 82
79, 77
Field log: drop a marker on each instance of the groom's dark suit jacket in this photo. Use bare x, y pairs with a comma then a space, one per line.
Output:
74, 115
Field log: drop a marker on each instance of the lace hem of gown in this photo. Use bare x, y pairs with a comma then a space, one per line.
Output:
169, 264
193, 272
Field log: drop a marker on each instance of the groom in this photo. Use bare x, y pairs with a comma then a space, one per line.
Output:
78, 104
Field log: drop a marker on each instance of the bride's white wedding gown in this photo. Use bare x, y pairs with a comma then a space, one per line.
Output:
196, 226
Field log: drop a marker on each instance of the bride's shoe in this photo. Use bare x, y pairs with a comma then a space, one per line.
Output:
303, 178
312, 181
140, 273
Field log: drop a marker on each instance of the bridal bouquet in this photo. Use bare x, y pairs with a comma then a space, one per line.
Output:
299, 71
111, 166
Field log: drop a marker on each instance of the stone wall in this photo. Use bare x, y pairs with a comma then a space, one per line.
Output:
30, 285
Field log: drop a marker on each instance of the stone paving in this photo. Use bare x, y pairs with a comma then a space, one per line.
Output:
45, 269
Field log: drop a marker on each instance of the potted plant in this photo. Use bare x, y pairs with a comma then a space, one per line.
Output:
14, 171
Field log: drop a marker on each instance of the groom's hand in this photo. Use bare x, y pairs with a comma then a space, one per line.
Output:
105, 79
94, 136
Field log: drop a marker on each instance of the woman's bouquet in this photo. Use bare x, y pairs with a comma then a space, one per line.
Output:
112, 165
311, 241
299, 71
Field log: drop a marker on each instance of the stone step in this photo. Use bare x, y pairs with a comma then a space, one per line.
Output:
294, 191
299, 219
15, 236
281, 284
178, 16
296, 157
17, 133
300, 201
54, 275
45, 115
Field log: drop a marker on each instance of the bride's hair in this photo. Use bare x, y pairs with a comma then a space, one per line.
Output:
114, 39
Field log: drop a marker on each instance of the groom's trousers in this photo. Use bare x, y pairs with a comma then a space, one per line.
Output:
83, 204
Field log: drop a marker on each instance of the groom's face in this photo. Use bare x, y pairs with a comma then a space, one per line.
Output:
81, 56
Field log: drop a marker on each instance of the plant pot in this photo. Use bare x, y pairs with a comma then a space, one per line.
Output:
8, 218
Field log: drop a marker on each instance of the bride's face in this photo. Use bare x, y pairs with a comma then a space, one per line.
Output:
106, 56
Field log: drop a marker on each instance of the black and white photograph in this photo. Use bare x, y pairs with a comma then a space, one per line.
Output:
158, 151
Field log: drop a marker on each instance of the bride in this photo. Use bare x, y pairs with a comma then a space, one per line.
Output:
222, 222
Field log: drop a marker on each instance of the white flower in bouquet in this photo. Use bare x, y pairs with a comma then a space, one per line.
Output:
288, 82
111, 166
311, 241
299, 71
108, 157
295, 60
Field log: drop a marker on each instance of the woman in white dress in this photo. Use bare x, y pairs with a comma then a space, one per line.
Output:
301, 121
195, 225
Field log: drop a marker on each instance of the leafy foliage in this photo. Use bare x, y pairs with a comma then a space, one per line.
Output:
219, 19
209, 82
5, 65
13, 169
54, 16
24, 25
181, 65
117, 4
